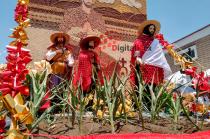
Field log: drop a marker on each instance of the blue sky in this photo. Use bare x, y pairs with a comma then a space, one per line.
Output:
6, 23
178, 18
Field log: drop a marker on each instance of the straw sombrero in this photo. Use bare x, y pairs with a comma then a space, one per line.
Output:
148, 22
84, 41
55, 35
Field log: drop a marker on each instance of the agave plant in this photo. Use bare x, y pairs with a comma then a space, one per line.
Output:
38, 90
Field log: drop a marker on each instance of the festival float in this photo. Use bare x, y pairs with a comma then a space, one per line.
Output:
28, 108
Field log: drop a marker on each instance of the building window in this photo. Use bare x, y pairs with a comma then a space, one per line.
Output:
189, 53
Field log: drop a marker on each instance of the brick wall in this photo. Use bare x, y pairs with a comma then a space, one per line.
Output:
203, 52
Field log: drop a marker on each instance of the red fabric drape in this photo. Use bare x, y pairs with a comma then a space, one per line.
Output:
198, 135
149, 72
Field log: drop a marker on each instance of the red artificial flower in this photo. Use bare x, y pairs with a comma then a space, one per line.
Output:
25, 91
161, 41
19, 59
21, 66
11, 66
191, 72
204, 86
166, 44
22, 75
22, 60
159, 37
6, 84
193, 107
11, 49
27, 59
5, 90
175, 96
25, 50
5, 73
24, 53
21, 12
14, 49
11, 57
199, 81
22, 89
201, 75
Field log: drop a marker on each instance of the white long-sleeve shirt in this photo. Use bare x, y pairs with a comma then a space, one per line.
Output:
50, 54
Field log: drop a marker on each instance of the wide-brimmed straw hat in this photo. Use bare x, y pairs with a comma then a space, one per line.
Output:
149, 22
55, 35
87, 39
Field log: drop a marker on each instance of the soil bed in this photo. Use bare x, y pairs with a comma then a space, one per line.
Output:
62, 126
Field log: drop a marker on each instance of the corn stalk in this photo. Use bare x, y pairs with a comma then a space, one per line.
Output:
81, 107
67, 98
175, 106
138, 98
159, 99
37, 84
122, 89
112, 97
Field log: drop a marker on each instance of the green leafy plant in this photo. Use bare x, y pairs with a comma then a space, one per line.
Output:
38, 90
111, 98
68, 99
137, 95
159, 98
114, 96
174, 104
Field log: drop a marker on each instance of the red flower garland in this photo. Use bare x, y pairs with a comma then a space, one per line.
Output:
162, 41
199, 81
13, 77
21, 12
